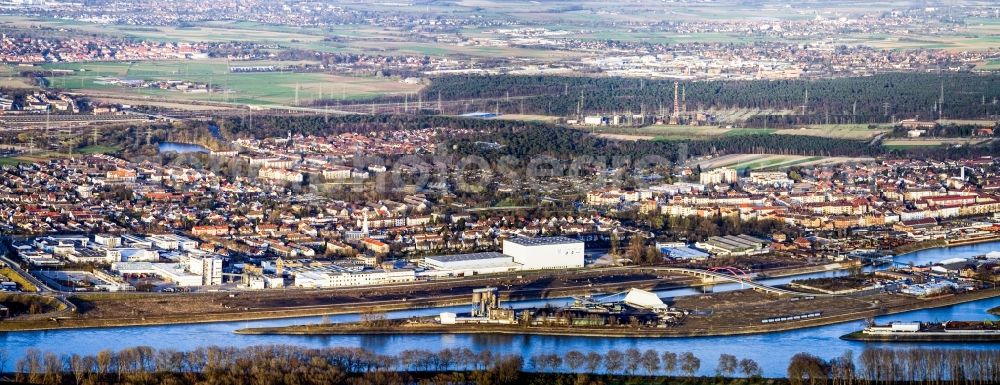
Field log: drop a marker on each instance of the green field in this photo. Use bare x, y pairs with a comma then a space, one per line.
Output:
842, 131
676, 132
249, 88
42, 156
989, 65
776, 161
9, 78
685, 132
360, 39
770, 161
97, 149
765, 163
750, 131
9, 161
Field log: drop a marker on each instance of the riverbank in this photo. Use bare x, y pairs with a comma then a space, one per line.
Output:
405, 328
317, 303
943, 243
921, 337
137, 309
237, 306
822, 341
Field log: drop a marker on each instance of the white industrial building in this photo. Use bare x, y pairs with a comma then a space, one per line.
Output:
545, 252
209, 268
172, 242
132, 254
192, 271
470, 264
339, 278
518, 254
732, 245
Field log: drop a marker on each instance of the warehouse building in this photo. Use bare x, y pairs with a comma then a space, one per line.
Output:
470, 264
192, 271
328, 277
545, 252
735, 245
518, 254
683, 252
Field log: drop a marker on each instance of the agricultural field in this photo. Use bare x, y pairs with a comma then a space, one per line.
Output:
683, 132
530, 118
770, 161
278, 88
360, 39
974, 37
919, 142
673, 132
739, 115
44, 156
9, 78
989, 65
207, 32
839, 131
98, 149
979, 122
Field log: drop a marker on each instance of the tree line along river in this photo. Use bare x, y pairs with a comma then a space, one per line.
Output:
771, 350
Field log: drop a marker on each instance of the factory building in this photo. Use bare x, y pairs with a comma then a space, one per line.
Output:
485, 310
545, 252
474, 263
735, 245
191, 271
334, 277
209, 268
518, 254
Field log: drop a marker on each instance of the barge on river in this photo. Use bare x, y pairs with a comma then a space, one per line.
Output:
950, 331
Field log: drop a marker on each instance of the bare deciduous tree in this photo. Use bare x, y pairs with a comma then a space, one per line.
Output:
727, 364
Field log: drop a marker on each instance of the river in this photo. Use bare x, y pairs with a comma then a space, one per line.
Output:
772, 350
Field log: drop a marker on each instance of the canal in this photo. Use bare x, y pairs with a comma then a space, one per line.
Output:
772, 350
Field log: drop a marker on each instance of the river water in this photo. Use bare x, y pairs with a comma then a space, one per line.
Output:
772, 350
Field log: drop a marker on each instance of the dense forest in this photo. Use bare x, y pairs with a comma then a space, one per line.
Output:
280, 364
869, 99
278, 125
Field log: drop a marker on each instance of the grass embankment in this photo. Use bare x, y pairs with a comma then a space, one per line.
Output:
23, 283
918, 246
29, 304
